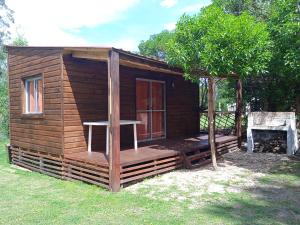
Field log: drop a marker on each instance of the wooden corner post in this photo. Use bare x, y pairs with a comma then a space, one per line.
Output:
114, 120
211, 120
238, 112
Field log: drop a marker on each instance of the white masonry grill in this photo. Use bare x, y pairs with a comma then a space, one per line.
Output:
283, 121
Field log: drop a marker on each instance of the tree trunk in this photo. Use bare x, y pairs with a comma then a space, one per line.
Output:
211, 120
238, 112
297, 104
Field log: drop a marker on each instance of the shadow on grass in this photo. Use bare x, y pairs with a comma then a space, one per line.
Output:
249, 210
274, 200
263, 162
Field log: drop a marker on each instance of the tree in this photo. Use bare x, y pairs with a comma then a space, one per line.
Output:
6, 19
284, 26
277, 90
4, 100
156, 45
20, 41
4, 117
257, 8
220, 44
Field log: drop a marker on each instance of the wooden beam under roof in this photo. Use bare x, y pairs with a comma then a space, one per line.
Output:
132, 61
147, 67
99, 56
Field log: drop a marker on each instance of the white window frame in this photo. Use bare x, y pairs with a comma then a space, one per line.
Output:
36, 97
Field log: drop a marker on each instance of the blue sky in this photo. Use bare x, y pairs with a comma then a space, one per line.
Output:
118, 23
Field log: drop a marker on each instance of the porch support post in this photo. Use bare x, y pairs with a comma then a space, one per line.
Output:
211, 119
114, 120
238, 112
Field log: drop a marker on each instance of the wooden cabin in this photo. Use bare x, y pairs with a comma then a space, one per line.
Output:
103, 115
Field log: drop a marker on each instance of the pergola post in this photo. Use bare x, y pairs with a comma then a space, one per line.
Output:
211, 119
114, 120
238, 112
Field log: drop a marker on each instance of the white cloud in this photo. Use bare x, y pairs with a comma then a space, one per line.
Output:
47, 22
127, 44
170, 26
194, 7
168, 3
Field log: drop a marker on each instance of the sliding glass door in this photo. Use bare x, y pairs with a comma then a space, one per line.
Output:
150, 106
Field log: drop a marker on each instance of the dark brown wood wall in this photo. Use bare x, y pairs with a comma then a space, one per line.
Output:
182, 115
40, 134
85, 99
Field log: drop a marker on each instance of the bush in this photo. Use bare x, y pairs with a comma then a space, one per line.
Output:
4, 106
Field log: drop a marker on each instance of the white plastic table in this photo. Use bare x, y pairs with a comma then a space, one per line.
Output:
106, 123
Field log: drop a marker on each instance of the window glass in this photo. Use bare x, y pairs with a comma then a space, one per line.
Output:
40, 95
33, 95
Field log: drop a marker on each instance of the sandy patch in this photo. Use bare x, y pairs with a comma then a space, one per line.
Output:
237, 170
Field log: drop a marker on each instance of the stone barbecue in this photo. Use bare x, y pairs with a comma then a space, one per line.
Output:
273, 121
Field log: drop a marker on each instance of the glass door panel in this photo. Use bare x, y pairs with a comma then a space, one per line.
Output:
143, 109
150, 109
144, 129
158, 121
142, 95
157, 96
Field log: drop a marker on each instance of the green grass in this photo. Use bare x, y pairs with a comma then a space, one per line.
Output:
32, 198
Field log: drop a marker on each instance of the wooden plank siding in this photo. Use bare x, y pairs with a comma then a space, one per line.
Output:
86, 99
40, 134
75, 90
182, 117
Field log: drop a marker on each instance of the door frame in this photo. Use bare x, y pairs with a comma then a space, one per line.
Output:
151, 110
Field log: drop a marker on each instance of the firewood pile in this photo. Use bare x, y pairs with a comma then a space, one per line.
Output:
275, 145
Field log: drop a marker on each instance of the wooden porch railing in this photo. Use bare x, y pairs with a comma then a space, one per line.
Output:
225, 122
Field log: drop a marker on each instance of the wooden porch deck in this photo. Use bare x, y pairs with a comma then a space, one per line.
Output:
150, 151
148, 160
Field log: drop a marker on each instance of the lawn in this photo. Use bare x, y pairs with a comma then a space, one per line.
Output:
32, 198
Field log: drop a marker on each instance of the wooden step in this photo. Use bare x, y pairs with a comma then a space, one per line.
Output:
197, 158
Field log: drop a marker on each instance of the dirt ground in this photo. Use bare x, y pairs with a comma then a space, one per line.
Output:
238, 172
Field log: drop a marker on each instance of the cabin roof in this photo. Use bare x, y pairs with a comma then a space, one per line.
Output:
127, 58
